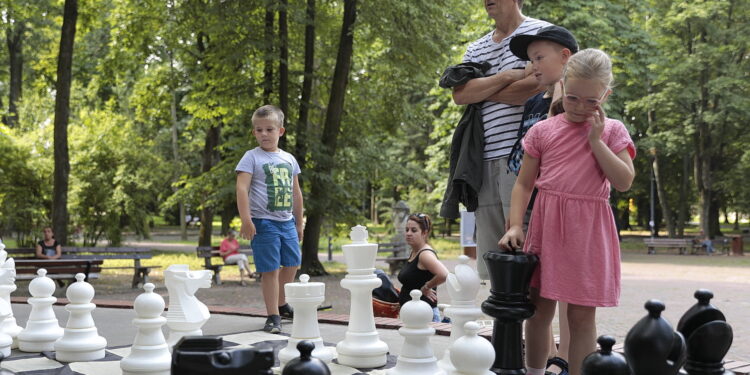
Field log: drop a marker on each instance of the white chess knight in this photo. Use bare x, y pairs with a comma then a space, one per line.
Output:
42, 328
8, 286
463, 285
149, 354
186, 314
81, 340
361, 347
305, 297
471, 354
416, 356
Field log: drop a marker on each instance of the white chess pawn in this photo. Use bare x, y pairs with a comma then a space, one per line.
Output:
8, 286
471, 354
416, 356
305, 297
361, 347
186, 314
81, 340
149, 354
463, 285
42, 328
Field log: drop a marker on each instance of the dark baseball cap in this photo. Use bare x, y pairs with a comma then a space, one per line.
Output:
558, 34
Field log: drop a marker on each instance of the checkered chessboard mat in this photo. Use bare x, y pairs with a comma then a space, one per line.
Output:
45, 363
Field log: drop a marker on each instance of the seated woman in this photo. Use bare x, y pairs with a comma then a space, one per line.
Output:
423, 270
230, 251
48, 248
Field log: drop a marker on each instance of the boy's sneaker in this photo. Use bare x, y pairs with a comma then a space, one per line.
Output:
273, 324
286, 311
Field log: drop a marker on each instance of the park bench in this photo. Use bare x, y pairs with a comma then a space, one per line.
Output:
140, 272
397, 259
58, 269
683, 244
209, 252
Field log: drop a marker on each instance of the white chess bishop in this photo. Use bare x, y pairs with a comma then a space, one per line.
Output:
186, 314
471, 354
305, 297
149, 354
8, 286
416, 356
42, 328
463, 285
81, 340
361, 347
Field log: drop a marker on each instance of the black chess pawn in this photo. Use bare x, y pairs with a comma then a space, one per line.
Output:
652, 347
708, 336
605, 361
306, 364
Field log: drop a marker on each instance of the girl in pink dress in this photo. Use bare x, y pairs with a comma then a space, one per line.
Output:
573, 159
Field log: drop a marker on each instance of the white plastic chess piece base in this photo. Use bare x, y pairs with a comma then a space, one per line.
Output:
362, 347
5, 344
459, 317
42, 329
9, 325
416, 355
151, 355
78, 345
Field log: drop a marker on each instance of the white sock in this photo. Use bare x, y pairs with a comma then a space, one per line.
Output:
534, 371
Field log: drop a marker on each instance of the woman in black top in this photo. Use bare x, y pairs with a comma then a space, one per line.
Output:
48, 248
423, 271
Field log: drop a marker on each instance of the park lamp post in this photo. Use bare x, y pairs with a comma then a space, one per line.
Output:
652, 200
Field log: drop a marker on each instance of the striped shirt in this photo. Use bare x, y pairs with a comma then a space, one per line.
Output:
501, 121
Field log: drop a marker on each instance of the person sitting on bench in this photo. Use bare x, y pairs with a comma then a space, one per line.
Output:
230, 251
48, 248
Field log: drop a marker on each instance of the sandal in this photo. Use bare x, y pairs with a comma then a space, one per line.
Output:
559, 362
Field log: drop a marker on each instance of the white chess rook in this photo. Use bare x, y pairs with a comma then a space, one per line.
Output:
81, 340
417, 357
186, 315
149, 354
471, 354
361, 347
42, 328
463, 285
8, 286
305, 297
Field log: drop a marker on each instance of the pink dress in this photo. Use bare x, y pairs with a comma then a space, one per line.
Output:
572, 228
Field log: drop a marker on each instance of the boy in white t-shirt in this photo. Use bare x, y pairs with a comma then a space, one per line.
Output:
269, 200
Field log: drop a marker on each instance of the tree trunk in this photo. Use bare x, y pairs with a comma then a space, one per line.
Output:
209, 160
683, 214
300, 150
324, 163
664, 203
268, 58
62, 114
14, 38
228, 212
283, 67
176, 159
736, 221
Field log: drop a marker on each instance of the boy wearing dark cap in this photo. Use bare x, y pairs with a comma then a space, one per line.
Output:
548, 51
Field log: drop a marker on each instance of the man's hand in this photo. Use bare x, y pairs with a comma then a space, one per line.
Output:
247, 231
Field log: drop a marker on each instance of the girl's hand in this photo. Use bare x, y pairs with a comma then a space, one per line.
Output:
597, 124
513, 239
247, 231
429, 293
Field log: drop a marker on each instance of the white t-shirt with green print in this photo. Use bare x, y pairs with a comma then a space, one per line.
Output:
271, 190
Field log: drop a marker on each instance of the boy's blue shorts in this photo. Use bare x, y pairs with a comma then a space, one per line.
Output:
275, 244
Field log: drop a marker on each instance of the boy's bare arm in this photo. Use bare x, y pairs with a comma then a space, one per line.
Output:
243, 204
298, 206
518, 92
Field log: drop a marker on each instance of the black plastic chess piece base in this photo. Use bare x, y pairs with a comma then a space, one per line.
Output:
205, 355
306, 364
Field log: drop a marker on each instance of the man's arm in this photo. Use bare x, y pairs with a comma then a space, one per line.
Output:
518, 92
481, 89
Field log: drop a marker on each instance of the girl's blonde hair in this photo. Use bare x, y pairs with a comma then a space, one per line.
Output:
590, 63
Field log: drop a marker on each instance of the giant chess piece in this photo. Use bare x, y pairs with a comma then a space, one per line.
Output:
605, 361
471, 354
42, 328
149, 354
306, 364
708, 336
8, 286
81, 340
361, 347
509, 303
652, 347
206, 355
6, 341
463, 286
186, 314
305, 297
416, 356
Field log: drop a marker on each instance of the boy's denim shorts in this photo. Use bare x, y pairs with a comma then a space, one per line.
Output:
275, 244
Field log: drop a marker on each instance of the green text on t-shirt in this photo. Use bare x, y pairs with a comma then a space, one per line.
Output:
279, 186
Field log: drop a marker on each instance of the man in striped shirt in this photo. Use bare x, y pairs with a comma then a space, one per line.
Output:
503, 91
